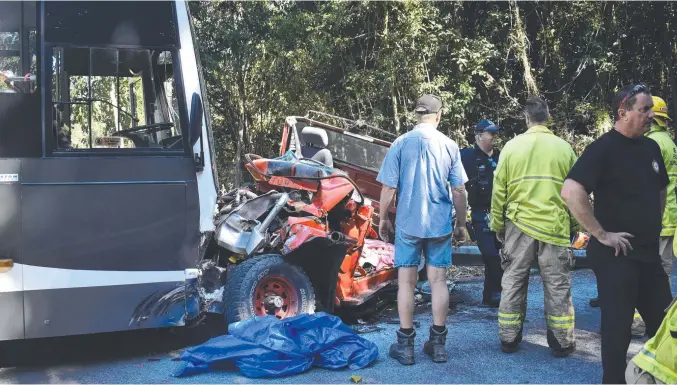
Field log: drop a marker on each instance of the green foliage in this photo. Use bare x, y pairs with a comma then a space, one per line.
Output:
266, 60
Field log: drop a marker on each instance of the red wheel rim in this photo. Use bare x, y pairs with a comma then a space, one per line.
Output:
275, 296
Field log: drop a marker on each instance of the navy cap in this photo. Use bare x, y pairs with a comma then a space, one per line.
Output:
486, 125
428, 104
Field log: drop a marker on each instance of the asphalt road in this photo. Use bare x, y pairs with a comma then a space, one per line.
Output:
474, 352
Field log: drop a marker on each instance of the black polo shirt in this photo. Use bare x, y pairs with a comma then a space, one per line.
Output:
479, 167
626, 177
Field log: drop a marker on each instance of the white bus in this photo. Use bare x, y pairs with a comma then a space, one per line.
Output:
107, 179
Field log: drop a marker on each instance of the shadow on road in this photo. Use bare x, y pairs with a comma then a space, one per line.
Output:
156, 343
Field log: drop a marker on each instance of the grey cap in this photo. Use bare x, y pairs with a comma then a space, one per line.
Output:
428, 104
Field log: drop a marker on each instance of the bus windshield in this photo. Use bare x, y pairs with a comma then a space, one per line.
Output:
112, 75
114, 98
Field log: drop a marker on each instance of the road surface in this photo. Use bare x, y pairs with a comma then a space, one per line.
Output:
474, 352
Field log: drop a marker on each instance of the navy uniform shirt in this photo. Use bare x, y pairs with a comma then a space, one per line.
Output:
480, 170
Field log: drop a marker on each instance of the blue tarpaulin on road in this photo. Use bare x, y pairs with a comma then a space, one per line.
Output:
269, 347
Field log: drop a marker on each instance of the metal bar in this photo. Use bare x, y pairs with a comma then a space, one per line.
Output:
351, 121
339, 130
471, 256
24, 53
117, 86
89, 96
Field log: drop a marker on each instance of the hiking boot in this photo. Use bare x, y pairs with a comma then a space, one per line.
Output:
435, 347
403, 349
561, 353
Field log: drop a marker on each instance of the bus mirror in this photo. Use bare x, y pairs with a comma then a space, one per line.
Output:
195, 119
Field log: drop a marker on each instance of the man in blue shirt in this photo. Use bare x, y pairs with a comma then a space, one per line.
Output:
424, 168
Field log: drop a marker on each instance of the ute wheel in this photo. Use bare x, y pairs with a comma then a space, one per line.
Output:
267, 285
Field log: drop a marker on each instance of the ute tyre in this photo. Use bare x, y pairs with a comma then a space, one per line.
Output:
267, 277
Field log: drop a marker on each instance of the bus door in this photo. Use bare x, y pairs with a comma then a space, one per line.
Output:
111, 211
20, 139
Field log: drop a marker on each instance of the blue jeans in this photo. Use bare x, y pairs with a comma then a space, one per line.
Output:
408, 250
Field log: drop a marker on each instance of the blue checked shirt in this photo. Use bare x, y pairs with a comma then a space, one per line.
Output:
421, 165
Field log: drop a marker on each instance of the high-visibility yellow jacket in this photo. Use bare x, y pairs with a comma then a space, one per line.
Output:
659, 354
669, 151
527, 186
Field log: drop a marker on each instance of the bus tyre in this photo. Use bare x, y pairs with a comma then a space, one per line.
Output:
267, 285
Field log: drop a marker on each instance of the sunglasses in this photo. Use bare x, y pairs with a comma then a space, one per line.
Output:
639, 88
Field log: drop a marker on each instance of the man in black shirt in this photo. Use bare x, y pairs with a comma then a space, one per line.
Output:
479, 162
625, 172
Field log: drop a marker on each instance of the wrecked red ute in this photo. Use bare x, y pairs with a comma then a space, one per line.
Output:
302, 237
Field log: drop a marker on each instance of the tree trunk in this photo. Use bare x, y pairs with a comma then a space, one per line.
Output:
242, 125
663, 10
396, 119
393, 98
520, 42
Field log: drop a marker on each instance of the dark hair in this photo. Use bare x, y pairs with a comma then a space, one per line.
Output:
536, 109
627, 96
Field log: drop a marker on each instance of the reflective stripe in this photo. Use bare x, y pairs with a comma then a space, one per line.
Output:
541, 231
568, 325
562, 326
648, 353
535, 178
560, 322
502, 322
509, 318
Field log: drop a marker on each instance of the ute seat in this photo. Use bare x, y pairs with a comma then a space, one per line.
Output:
314, 143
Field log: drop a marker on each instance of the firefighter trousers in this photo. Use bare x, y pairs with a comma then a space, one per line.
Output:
638, 326
555, 263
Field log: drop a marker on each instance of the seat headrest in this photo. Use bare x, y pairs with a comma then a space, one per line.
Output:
314, 136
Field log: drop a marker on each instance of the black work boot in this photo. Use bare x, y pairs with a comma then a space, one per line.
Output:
561, 353
492, 301
435, 347
511, 347
403, 349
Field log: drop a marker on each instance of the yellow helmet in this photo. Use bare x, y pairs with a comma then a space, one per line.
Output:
660, 108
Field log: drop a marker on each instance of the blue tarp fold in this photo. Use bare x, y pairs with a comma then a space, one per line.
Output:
269, 347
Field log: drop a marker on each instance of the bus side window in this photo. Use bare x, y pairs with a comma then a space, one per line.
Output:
119, 98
